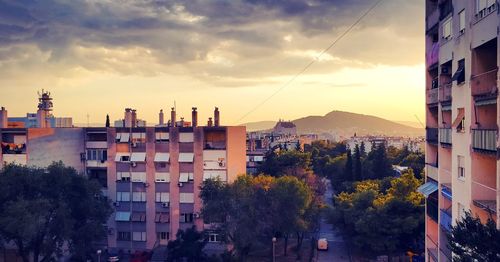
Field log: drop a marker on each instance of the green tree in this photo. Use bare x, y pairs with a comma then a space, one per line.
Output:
188, 246
107, 121
471, 240
348, 174
380, 164
378, 221
45, 208
415, 161
358, 166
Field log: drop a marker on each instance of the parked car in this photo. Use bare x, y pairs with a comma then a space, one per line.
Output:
322, 244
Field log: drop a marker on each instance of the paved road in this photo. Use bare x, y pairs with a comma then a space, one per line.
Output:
337, 250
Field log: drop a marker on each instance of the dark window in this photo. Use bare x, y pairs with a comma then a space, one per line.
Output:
163, 235
459, 75
123, 236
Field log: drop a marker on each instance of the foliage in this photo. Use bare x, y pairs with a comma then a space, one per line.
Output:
44, 209
252, 210
378, 220
286, 163
470, 240
188, 246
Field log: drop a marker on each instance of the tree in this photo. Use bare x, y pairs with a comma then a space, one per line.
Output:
107, 121
188, 246
381, 166
45, 208
348, 175
358, 173
362, 149
470, 240
378, 221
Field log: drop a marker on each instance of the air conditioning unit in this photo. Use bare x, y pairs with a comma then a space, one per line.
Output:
165, 204
116, 204
134, 164
180, 184
222, 164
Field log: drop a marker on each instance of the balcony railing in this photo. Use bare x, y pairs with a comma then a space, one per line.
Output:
484, 139
433, 55
432, 19
484, 197
445, 92
445, 219
485, 84
445, 136
432, 135
432, 96
485, 12
432, 171
432, 248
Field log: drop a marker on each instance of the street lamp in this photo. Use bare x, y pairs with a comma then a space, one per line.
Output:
99, 255
274, 249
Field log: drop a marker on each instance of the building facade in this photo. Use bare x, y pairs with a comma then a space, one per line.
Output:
462, 117
152, 175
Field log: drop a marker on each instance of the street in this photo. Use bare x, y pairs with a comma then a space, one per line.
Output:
337, 249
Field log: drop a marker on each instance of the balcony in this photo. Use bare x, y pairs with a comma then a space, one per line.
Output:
432, 209
445, 92
432, 96
484, 197
432, 19
432, 249
13, 148
97, 163
432, 171
445, 136
484, 85
445, 219
96, 144
484, 140
485, 12
446, 191
431, 135
432, 56
215, 145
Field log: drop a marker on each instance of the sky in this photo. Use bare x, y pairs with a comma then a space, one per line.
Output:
97, 57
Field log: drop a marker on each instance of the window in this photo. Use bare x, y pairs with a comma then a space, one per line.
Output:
139, 236
162, 157
122, 216
186, 157
162, 218
186, 198
447, 25
123, 236
461, 17
162, 197
138, 196
481, 5
214, 238
461, 167
122, 137
184, 177
123, 196
138, 217
162, 137
123, 176
139, 137
186, 218
186, 137
163, 235
139, 177
459, 75
122, 157
97, 154
161, 177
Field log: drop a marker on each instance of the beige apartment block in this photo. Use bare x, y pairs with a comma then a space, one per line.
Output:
462, 116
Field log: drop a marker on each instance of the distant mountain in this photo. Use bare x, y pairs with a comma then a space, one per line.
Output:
410, 123
344, 124
258, 126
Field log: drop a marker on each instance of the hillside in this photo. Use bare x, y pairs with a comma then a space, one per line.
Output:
344, 124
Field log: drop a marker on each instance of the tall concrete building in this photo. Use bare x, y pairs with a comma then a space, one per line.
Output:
152, 175
462, 167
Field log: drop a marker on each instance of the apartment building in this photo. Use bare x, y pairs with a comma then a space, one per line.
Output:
462, 148
152, 175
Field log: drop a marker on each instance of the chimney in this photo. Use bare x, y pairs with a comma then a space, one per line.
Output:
172, 116
162, 118
128, 117
210, 122
4, 123
41, 118
194, 115
216, 117
134, 118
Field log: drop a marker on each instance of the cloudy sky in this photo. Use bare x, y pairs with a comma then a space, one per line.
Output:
100, 56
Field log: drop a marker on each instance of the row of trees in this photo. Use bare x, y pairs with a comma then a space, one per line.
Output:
46, 210
381, 216
254, 209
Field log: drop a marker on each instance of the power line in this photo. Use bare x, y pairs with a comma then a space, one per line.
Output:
313, 61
